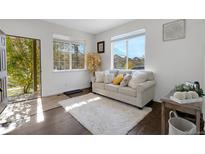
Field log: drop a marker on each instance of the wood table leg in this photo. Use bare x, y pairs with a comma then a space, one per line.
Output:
163, 119
198, 117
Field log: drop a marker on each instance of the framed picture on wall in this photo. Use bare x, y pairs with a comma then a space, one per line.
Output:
101, 47
174, 30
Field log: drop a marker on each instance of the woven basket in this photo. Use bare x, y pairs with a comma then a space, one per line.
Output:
180, 126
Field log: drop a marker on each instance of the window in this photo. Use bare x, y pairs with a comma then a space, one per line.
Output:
129, 51
78, 56
68, 55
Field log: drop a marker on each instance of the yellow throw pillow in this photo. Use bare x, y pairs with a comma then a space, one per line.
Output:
117, 79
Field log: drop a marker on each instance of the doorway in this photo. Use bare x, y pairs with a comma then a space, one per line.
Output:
23, 68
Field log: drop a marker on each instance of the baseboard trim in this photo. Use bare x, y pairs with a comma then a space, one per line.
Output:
72, 92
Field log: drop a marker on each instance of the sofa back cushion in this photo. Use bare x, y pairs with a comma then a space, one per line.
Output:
108, 78
99, 75
149, 74
115, 72
124, 72
137, 77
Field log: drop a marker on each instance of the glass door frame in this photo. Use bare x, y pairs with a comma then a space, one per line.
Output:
40, 71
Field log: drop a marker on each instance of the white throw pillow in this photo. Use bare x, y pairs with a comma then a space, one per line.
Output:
99, 75
108, 77
137, 78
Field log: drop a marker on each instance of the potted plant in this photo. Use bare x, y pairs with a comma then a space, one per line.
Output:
188, 86
188, 92
93, 63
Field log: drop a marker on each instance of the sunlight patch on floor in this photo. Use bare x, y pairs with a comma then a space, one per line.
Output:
13, 116
93, 99
79, 104
40, 116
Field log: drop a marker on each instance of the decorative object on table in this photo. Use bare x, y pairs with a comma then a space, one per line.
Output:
174, 30
93, 62
188, 92
101, 47
180, 126
190, 86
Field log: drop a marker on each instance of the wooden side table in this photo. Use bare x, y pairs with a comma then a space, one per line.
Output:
192, 108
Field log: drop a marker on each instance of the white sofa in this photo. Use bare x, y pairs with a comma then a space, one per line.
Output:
139, 97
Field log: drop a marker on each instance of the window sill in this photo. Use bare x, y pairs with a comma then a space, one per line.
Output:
73, 70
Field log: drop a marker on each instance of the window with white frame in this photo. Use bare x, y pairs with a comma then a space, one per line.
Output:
68, 55
128, 50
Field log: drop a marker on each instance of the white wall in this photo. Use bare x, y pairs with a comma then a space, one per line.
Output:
172, 61
52, 82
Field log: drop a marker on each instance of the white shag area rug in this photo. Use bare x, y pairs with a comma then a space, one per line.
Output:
104, 116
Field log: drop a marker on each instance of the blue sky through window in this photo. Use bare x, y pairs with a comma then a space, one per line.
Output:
136, 47
119, 48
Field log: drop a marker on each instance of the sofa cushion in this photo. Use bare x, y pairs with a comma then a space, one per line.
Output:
99, 75
149, 74
128, 91
137, 77
108, 78
117, 79
99, 85
112, 87
124, 72
125, 80
115, 72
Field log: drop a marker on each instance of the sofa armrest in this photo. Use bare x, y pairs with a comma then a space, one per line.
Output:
145, 85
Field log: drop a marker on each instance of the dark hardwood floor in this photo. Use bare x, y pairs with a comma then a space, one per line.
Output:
58, 122
151, 124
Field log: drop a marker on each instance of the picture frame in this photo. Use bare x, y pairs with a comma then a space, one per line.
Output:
101, 47
174, 30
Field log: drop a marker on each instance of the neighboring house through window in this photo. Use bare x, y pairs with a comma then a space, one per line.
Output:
68, 55
128, 50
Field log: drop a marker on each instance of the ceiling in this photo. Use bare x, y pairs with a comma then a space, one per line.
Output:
92, 26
